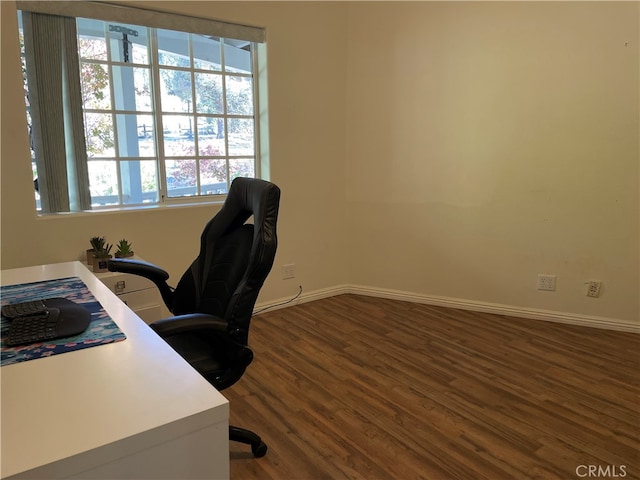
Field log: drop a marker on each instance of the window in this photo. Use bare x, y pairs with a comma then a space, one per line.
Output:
161, 114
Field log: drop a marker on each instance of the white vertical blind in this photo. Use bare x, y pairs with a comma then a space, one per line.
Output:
56, 102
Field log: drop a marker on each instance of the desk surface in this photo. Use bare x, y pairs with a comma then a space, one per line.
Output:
66, 405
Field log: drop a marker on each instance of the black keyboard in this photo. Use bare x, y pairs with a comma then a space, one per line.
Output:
35, 328
43, 320
25, 309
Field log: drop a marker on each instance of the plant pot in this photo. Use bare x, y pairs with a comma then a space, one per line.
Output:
100, 264
90, 256
128, 255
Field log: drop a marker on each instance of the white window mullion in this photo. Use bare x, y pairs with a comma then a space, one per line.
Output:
114, 119
256, 111
192, 115
157, 114
224, 111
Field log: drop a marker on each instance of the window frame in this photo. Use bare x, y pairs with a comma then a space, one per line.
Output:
258, 116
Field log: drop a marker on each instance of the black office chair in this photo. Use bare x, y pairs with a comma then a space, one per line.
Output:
214, 300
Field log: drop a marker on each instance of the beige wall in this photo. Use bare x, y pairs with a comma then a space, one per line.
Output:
452, 150
504, 143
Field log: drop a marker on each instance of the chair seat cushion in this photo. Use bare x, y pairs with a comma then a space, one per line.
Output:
200, 352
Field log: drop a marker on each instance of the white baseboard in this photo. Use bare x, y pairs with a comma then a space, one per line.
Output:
473, 305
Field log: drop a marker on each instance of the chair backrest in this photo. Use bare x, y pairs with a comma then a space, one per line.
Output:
235, 257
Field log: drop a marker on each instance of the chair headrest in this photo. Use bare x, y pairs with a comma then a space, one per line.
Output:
246, 197
251, 196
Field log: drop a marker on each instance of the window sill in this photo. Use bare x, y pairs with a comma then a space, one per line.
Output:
138, 208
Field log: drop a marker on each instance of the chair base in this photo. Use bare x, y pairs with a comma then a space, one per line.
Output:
258, 447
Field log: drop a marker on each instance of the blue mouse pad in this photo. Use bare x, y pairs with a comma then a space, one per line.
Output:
101, 330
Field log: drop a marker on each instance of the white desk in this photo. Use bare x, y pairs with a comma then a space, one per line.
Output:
131, 409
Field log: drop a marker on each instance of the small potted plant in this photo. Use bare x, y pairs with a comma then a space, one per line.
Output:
101, 257
97, 243
123, 249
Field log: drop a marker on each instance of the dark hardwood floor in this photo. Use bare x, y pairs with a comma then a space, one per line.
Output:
367, 388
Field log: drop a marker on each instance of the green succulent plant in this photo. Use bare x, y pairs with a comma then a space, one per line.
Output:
97, 243
104, 251
124, 248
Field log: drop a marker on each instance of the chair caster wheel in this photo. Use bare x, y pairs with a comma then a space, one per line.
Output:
259, 449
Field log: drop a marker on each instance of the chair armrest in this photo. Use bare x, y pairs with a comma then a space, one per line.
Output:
188, 323
146, 270
138, 267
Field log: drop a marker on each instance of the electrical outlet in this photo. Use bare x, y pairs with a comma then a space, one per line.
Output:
289, 271
593, 288
547, 282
